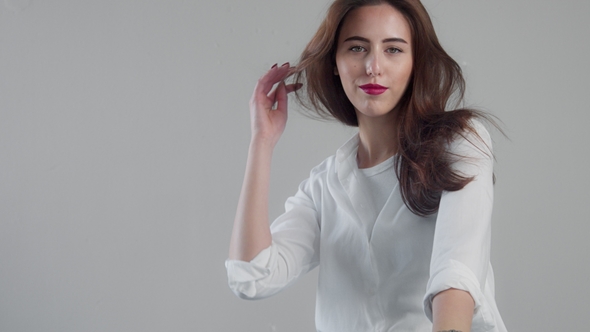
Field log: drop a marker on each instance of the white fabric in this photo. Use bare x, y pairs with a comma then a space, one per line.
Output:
380, 182
380, 278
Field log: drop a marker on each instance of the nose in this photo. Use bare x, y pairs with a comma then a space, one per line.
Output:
373, 65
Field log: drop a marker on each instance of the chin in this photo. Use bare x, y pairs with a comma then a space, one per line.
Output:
374, 112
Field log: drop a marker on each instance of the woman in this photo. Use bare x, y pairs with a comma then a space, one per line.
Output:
399, 219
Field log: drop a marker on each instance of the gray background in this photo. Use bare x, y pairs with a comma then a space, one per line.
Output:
123, 137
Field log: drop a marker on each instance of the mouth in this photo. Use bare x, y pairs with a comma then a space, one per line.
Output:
373, 89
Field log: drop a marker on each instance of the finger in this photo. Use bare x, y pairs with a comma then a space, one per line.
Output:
281, 97
272, 77
272, 95
293, 87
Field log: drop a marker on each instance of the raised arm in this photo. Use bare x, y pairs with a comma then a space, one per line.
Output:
268, 116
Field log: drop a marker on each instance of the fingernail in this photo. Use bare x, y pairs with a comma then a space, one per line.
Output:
285, 64
274, 66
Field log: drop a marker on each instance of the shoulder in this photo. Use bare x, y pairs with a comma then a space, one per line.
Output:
473, 141
470, 152
329, 170
480, 130
321, 171
331, 164
312, 189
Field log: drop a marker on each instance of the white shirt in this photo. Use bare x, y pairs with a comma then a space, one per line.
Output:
380, 268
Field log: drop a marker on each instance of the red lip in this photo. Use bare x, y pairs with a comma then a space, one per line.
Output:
373, 89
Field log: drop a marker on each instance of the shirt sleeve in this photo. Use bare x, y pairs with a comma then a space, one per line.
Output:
294, 250
461, 247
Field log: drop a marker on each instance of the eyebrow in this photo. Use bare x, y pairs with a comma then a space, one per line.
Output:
387, 40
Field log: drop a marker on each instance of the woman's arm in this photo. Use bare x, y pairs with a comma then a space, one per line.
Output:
452, 311
461, 248
251, 232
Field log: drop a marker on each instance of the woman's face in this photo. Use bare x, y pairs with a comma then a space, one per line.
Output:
374, 59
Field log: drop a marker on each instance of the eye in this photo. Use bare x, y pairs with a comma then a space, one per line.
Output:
393, 50
357, 49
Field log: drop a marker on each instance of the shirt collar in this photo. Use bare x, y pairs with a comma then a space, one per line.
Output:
348, 150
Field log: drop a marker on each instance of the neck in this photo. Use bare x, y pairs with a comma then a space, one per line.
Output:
378, 139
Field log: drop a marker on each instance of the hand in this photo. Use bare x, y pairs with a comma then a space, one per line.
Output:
268, 109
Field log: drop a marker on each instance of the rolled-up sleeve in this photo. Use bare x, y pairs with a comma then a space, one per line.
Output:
461, 247
294, 250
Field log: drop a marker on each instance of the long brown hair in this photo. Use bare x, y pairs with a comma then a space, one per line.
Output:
425, 127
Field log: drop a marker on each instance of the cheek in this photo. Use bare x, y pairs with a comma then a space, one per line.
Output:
348, 74
346, 67
404, 75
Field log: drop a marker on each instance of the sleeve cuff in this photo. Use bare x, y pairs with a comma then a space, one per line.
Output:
242, 276
457, 275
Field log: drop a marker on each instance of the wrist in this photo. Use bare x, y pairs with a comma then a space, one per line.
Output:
259, 142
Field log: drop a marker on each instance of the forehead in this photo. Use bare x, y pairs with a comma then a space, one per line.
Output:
379, 21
